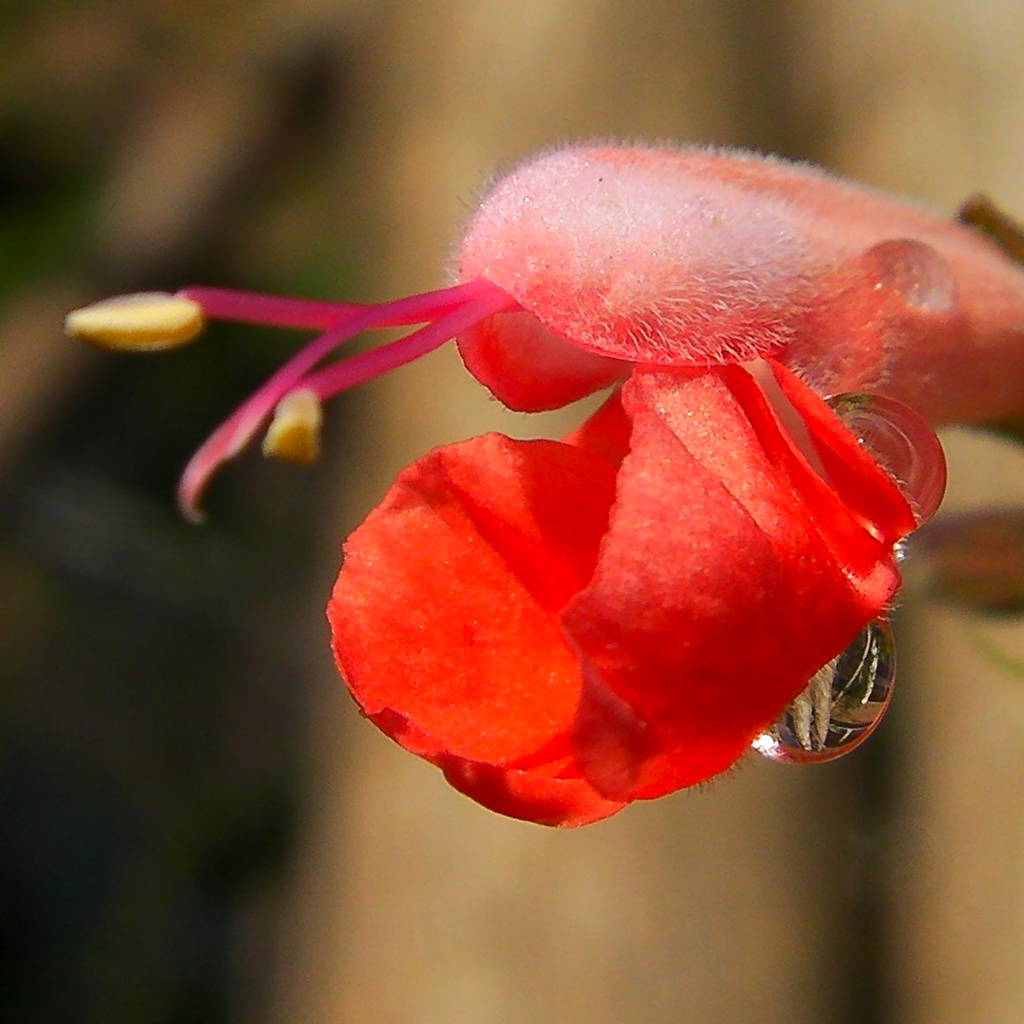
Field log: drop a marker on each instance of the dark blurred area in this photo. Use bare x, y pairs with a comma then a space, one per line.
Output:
195, 825
149, 689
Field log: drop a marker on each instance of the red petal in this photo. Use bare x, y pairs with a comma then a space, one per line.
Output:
863, 485
720, 588
445, 616
607, 432
860, 512
529, 367
550, 794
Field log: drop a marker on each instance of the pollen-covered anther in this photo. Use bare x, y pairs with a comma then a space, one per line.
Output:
143, 322
294, 432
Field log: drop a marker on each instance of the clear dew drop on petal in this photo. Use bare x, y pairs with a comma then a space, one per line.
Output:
903, 442
841, 704
914, 272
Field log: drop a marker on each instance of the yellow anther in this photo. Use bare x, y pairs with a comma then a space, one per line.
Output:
294, 432
144, 322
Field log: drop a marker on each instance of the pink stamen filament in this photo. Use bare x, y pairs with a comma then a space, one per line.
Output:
334, 379
313, 315
450, 310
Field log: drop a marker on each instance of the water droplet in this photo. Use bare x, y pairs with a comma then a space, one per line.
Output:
903, 442
914, 271
840, 706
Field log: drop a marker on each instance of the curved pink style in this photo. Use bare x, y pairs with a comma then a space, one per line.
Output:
449, 311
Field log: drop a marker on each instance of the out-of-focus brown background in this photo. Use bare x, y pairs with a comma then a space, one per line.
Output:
196, 825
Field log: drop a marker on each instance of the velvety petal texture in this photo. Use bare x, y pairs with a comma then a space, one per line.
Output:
730, 572
445, 617
563, 627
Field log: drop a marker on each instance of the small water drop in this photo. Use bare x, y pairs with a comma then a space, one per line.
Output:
903, 442
916, 272
841, 704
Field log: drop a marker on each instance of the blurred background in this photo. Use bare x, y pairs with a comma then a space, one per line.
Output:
196, 824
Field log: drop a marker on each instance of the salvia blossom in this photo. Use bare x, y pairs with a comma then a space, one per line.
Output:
565, 626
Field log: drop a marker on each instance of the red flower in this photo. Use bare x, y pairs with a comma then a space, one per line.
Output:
566, 626
563, 627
